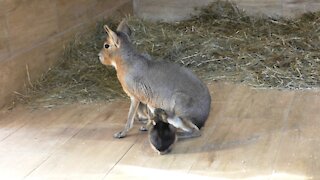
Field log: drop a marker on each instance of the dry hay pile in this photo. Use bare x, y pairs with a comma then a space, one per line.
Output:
222, 43
225, 43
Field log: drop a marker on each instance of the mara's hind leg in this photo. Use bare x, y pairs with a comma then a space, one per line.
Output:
147, 111
142, 115
188, 129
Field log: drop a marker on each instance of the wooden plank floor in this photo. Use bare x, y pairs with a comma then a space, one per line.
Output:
250, 134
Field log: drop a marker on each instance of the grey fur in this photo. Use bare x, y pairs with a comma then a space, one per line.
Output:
163, 85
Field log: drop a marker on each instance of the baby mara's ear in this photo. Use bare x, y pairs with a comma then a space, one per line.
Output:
112, 36
161, 115
123, 27
153, 122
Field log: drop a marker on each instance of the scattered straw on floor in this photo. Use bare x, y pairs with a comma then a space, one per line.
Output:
222, 43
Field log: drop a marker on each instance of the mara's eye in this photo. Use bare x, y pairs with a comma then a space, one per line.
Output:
106, 46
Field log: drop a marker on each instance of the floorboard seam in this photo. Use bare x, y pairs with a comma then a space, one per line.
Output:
119, 159
13, 132
215, 126
25, 123
53, 152
285, 120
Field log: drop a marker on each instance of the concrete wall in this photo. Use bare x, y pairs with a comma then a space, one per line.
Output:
175, 10
33, 32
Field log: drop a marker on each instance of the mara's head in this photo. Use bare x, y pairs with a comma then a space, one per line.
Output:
114, 42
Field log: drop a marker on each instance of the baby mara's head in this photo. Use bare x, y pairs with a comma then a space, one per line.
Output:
162, 135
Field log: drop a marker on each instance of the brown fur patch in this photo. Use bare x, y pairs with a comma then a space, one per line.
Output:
121, 74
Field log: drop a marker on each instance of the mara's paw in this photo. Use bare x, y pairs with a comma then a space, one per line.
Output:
120, 134
143, 128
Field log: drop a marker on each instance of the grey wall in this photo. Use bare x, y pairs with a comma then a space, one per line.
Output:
175, 10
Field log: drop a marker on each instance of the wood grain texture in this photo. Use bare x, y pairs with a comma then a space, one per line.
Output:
34, 33
31, 22
267, 134
4, 45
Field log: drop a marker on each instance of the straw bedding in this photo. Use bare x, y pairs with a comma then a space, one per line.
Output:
221, 43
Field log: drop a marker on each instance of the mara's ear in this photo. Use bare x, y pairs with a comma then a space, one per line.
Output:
113, 38
160, 113
123, 27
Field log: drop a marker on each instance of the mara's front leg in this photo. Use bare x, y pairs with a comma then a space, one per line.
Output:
131, 115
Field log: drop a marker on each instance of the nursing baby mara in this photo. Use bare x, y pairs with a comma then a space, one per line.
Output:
175, 101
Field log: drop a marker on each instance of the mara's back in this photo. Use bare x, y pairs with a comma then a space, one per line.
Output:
170, 76
173, 88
